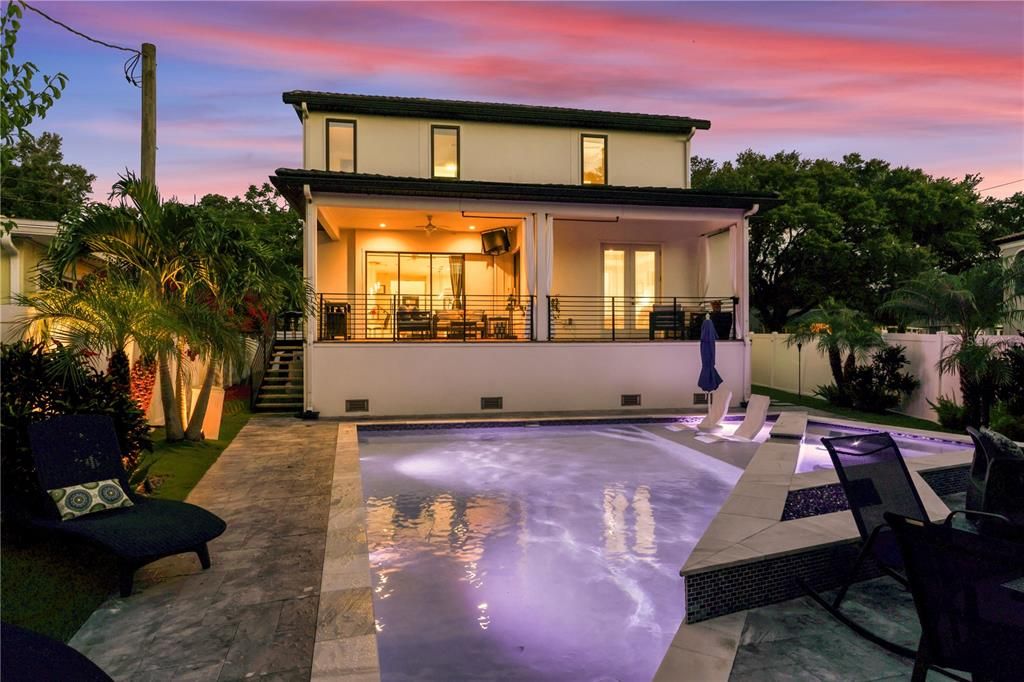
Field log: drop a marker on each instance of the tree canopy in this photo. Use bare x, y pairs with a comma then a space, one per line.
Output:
851, 229
37, 183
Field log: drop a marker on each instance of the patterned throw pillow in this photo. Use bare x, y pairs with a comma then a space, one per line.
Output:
1003, 446
86, 498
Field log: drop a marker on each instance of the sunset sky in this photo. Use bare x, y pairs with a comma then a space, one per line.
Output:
933, 85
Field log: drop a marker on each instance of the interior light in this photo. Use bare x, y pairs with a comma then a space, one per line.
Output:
383, 225
472, 227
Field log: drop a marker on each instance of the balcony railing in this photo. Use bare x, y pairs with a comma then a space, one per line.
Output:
638, 318
423, 318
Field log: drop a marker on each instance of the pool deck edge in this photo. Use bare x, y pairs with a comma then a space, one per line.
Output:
346, 632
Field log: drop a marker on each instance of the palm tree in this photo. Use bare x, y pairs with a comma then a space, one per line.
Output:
149, 241
198, 265
842, 334
102, 313
981, 298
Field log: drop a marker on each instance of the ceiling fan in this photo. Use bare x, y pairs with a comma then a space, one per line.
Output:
430, 227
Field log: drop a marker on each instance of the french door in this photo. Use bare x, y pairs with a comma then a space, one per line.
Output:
632, 283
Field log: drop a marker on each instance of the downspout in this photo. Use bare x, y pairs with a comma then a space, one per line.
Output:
7, 245
309, 257
745, 239
686, 157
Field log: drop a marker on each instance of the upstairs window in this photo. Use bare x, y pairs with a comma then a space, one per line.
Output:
444, 152
341, 146
594, 159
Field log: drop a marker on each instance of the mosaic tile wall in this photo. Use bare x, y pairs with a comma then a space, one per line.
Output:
948, 481
718, 592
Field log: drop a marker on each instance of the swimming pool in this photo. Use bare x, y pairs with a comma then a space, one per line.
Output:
814, 456
547, 553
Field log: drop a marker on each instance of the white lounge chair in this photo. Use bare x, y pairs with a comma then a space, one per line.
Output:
753, 420
720, 400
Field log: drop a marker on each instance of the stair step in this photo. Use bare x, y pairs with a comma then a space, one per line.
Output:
280, 390
282, 380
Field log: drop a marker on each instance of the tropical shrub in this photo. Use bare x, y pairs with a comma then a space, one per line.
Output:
882, 385
37, 383
951, 414
877, 387
1010, 425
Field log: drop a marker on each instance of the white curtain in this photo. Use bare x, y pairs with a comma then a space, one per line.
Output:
703, 265
734, 250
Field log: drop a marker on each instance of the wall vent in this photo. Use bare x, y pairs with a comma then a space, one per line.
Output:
631, 400
493, 403
359, 405
700, 398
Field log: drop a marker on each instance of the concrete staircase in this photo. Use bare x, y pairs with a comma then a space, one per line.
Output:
281, 389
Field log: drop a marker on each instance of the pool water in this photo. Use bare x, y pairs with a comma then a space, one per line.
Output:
814, 456
546, 553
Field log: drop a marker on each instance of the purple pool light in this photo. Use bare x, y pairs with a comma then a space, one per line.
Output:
546, 553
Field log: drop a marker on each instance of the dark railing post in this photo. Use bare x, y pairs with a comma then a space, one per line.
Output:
612, 317
735, 304
551, 317
677, 333
320, 320
465, 305
394, 317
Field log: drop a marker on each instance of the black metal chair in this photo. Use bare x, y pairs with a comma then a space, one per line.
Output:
30, 657
970, 620
875, 479
73, 449
996, 483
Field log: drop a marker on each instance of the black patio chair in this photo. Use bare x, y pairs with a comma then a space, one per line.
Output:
30, 657
875, 479
73, 449
970, 619
996, 483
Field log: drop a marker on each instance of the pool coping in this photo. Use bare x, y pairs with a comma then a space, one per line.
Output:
345, 647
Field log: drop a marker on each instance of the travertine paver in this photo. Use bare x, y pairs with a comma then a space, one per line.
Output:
253, 614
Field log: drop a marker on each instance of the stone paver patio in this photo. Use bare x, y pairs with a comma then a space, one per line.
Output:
253, 614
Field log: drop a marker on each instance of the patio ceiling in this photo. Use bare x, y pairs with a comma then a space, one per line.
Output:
336, 218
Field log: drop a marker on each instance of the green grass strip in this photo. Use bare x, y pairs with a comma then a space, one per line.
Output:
886, 419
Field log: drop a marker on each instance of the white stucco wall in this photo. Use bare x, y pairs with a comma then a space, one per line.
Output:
439, 379
389, 145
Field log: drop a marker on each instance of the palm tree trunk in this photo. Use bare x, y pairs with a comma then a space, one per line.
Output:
183, 392
195, 425
119, 371
849, 366
172, 419
835, 363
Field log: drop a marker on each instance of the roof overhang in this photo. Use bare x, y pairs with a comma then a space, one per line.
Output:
491, 112
291, 182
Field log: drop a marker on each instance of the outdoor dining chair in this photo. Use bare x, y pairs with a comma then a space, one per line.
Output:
964, 594
71, 450
875, 479
996, 482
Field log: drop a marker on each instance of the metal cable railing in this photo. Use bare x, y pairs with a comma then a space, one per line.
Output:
638, 318
407, 318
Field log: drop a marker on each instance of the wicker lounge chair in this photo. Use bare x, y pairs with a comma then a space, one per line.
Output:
74, 449
961, 582
996, 483
875, 479
29, 657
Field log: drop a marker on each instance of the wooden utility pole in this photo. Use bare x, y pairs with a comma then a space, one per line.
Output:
149, 112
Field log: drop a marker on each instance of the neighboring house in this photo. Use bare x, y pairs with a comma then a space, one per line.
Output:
472, 257
20, 253
1011, 250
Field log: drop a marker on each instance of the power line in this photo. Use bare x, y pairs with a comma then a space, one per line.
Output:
1011, 182
130, 65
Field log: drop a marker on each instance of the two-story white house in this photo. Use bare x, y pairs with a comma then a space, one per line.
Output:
475, 257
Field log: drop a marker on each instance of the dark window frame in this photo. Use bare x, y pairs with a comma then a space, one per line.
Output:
355, 144
583, 138
458, 151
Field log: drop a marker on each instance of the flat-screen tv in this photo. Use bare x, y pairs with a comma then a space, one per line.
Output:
495, 242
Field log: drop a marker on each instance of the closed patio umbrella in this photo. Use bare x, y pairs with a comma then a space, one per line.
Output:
709, 378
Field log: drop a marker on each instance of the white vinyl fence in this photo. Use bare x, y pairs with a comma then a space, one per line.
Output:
777, 365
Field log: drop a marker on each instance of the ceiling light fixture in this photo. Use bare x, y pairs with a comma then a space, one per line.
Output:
383, 225
472, 227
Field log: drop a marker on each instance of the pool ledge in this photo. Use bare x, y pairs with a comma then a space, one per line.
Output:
346, 632
746, 547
